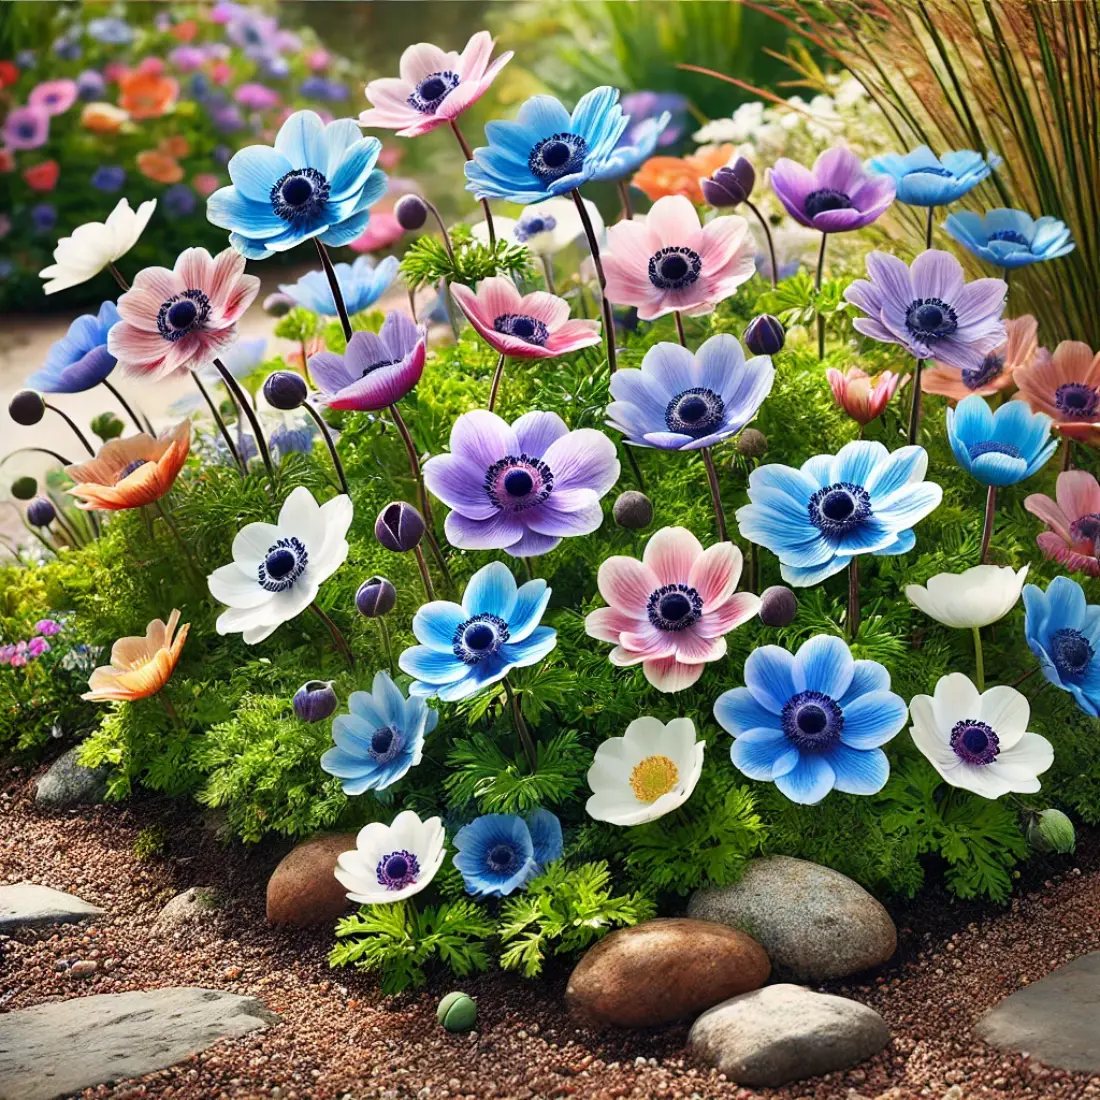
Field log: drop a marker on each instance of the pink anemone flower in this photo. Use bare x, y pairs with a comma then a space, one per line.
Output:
998, 368
181, 318
532, 326
434, 88
1065, 386
861, 395
667, 261
55, 97
1074, 522
670, 611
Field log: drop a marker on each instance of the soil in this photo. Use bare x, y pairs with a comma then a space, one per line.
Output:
339, 1040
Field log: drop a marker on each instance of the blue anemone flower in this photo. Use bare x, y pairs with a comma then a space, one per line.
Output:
380, 739
362, 283
318, 181
295, 435
1009, 238
1063, 631
812, 721
1002, 447
547, 151
862, 500
923, 179
111, 30
80, 359
499, 853
635, 148
470, 645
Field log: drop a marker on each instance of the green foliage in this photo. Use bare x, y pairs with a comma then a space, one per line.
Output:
427, 260
150, 842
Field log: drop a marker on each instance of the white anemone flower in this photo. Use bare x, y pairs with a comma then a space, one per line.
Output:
544, 227
94, 245
392, 862
278, 567
645, 774
974, 598
980, 742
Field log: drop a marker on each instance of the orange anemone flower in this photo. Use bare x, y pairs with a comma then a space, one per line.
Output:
147, 94
103, 118
661, 176
159, 166
140, 666
128, 473
175, 146
998, 368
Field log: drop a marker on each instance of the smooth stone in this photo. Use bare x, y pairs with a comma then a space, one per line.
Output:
784, 1033
67, 783
27, 903
663, 970
815, 923
54, 1049
1056, 1019
192, 905
303, 890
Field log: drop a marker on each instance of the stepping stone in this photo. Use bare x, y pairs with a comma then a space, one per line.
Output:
1055, 1020
27, 903
59, 1048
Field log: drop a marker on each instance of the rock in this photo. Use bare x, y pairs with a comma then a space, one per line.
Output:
302, 890
27, 903
784, 1033
68, 783
192, 905
1056, 1020
815, 923
62, 1047
84, 968
663, 970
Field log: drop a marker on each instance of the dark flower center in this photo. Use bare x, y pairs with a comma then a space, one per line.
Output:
398, 870
930, 319
385, 744
479, 637
974, 742
432, 90
26, 129
992, 367
283, 564
502, 858
557, 156
812, 721
674, 607
990, 446
1071, 651
517, 483
1087, 527
533, 226
130, 468
299, 195
827, 198
931, 170
529, 329
1076, 401
840, 508
695, 412
1011, 236
183, 314
674, 268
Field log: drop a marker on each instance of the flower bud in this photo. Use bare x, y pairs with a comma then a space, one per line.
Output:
633, 510
731, 185
376, 596
107, 426
411, 212
315, 701
285, 390
27, 408
764, 335
457, 1012
778, 606
24, 488
41, 512
752, 443
278, 304
1052, 831
399, 527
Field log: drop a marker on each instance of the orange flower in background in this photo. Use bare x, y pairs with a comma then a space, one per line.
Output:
861, 395
185, 30
103, 118
313, 346
661, 176
42, 177
175, 146
147, 94
1065, 386
128, 473
996, 373
159, 167
140, 666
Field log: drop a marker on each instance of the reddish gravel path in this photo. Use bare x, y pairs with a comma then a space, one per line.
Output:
337, 1041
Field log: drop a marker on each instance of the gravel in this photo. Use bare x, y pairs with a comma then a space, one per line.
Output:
338, 1040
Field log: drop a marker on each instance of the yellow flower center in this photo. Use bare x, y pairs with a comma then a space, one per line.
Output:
653, 777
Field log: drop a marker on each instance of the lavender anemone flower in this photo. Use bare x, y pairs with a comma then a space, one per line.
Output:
376, 369
838, 195
26, 127
521, 487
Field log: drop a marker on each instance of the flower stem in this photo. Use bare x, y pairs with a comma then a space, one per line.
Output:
987, 528
498, 374
305, 365
928, 228
334, 286
442, 229
125, 404
754, 569
1067, 454
387, 645
914, 407
624, 194
67, 528
521, 727
221, 423
853, 597
979, 664
412, 304
425, 576
1021, 678
680, 327
467, 152
528, 570
632, 459
817, 289
337, 637
548, 272
118, 276
170, 710
72, 424
253, 420
594, 248
715, 495
331, 443
768, 237
39, 450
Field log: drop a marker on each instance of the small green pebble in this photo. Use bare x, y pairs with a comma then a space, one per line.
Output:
457, 1012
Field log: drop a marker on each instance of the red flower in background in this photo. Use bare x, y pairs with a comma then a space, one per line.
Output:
185, 31
146, 94
42, 177
9, 73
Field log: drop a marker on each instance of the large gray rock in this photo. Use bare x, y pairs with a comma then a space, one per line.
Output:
784, 1033
27, 903
815, 923
55, 1049
68, 783
1055, 1020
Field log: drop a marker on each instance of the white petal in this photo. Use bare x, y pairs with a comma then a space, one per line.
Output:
954, 699
1007, 711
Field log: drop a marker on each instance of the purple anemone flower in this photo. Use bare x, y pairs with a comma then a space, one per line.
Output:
837, 196
376, 369
521, 487
930, 309
27, 127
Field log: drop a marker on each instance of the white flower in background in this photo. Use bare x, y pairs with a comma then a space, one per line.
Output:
974, 598
742, 127
849, 92
94, 245
980, 742
392, 862
544, 227
646, 773
278, 567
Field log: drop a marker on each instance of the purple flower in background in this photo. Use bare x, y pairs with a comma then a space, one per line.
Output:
275, 67
65, 48
222, 154
227, 119
109, 177
80, 359
27, 127
314, 87
187, 58
47, 627
90, 85
179, 200
53, 96
930, 309
37, 646
837, 196
26, 59
522, 487
112, 30
256, 97
640, 107
337, 91
44, 216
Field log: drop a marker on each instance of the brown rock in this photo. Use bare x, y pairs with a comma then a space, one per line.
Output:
302, 890
664, 970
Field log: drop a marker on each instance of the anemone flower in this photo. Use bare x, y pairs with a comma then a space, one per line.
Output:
812, 721
670, 611
1009, 238
544, 228
923, 179
145, 94
131, 472
998, 368
861, 395
1074, 522
434, 88
376, 369
80, 359
184, 317
318, 182
26, 128
392, 862
1063, 631
999, 447
498, 854
1065, 386
55, 97
635, 147
971, 599
660, 177
140, 666
667, 262
836, 196
362, 283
